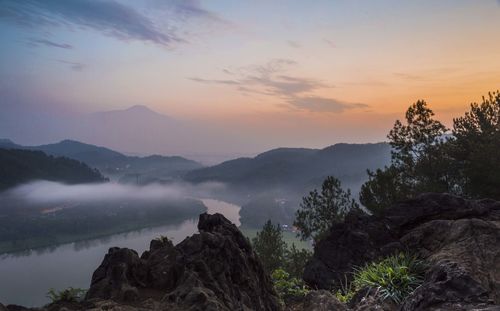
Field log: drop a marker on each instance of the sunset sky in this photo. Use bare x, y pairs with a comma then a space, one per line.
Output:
276, 73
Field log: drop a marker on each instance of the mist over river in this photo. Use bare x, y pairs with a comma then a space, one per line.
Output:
26, 277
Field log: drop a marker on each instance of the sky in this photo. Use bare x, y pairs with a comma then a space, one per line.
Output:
267, 73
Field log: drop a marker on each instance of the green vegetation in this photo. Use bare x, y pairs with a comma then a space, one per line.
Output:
20, 166
275, 254
68, 295
270, 247
319, 211
288, 236
426, 159
288, 287
393, 278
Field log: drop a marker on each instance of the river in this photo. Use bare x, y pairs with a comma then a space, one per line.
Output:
25, 277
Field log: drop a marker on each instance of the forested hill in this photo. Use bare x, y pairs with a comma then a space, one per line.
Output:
20, 166
112, 163
297, 167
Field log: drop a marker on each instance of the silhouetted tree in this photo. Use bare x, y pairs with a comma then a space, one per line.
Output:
418, 161
476, 149
270, 246
319, 210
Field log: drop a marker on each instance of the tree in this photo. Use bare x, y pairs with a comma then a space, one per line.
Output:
419, 161
476, 148
318, 211
295, 261
269, 246
383, 188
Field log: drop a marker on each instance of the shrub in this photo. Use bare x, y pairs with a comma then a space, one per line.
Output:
394, 277
288, 287
68, 295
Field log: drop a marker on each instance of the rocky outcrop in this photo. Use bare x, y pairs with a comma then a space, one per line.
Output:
214, 270
460, 239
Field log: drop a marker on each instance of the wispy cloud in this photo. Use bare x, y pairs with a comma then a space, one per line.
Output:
228, 82
330, 43
75, 66
45, 42
294, 44
321, 104
108, 17
273, 79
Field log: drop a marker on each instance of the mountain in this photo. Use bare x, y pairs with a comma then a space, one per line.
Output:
115, 164
20, 166
296, 168
92, 155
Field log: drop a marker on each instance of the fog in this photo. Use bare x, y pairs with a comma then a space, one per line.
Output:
54, 192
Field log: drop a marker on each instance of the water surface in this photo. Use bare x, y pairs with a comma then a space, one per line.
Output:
25, 277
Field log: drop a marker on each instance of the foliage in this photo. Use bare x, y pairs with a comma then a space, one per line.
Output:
466, 163
416, 161
20, 166
319, 210
476, 148
295, 260
394, 277
163, 239
383, 188
346, 291
287, 286
269, 246
68, 295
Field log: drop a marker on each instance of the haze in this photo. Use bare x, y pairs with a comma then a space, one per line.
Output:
220, 78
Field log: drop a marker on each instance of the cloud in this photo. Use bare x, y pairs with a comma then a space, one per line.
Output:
268, 79
228, 82
321, 104
53, 192
37, 42
271, 79
108, 17
330, 43
294, 44
75, 66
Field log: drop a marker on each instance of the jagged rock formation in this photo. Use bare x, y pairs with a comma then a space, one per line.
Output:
459, 238
213, 270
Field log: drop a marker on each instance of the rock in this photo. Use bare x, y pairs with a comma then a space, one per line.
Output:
213, 270
352, 243
465, 262
118, 276
458, 238
322, 300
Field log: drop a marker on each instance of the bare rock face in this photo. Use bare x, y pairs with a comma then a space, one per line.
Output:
352, 243
459, 238
213, 270
322, 300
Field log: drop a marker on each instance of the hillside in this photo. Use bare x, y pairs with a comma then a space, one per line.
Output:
20, 166
296, 169
115, 164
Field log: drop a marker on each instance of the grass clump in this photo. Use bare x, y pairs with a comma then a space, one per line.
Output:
394, 277
68, 295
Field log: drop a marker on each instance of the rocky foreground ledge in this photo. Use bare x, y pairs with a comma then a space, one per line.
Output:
459, 239
217, 269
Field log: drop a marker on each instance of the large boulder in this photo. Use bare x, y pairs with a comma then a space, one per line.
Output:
213, 270
352, 243
460, 240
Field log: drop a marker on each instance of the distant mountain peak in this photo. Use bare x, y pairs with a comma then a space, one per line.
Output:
140, 108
